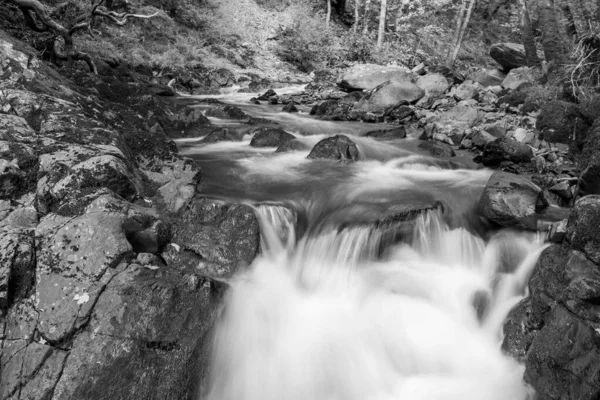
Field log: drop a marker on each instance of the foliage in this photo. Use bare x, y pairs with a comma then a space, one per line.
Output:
584, 74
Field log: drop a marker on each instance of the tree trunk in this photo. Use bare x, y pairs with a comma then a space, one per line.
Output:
328, 12
382, 17
552, 41
579, 17
459, 22
356, 16
527, 36
461, 35
366, 17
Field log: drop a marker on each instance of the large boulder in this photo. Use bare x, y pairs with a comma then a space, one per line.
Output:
509, 55
562, 122
433, 84
369, 76
504, 149
338, 147
270, 137
188, 122
589, 162
389, 94
511, 201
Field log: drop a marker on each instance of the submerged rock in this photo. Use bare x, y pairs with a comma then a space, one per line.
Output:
338, 147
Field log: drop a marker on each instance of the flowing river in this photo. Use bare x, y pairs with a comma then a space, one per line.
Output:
348, 302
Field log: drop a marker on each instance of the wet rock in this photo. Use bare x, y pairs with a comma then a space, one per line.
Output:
466, 91
518, 331
291, 145
400, 112
221, 234
388, 94
509, 55
270, 137
518, 76
433, 84
265, 96
331, 109
557, 232
369, 76
437, 149
290, 108
388, 134
561, 122
506, 150
582, 229
338, 147
510, 201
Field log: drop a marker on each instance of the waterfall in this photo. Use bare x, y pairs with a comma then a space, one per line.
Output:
326, 316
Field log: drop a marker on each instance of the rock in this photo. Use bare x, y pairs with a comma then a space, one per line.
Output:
509, 55
266, 95
400, 112
557, 232
17, 266
456, 120
437, 149
518, 76
226, 112
582, 228
270, 137
496, 129
433, 84
419, 69
506, 150
510, 201
466, 91
440, 137
189, 122
481, 138
290, 108
388, 134
487, 77
561, 122
518, 334
589, 162
388, 94
369, 76
523, 136
332, 109
338, 147
563, 189
453, 76
223, 135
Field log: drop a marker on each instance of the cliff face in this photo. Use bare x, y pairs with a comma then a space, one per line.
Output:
103, 292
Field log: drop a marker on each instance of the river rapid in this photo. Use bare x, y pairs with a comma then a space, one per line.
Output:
347, 301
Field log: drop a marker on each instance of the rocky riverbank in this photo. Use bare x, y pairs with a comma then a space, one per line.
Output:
107, 254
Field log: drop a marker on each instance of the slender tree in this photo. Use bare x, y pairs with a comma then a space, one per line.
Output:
527, 35
356, 16
459, 22
328, 12
552, 40
382, 18
462, 28
366, 17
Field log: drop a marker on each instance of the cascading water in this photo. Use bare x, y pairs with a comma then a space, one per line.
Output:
332, 308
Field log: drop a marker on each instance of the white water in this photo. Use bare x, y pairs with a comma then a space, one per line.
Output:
325, 319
